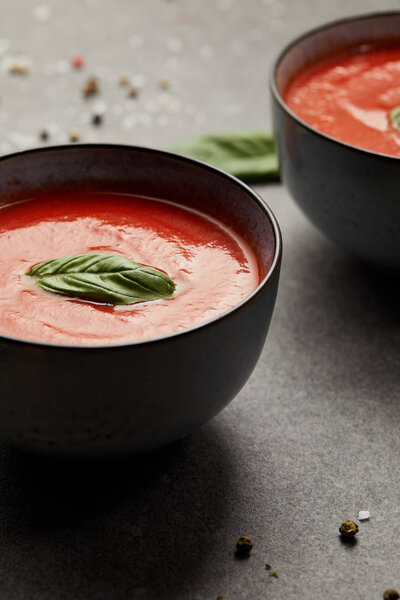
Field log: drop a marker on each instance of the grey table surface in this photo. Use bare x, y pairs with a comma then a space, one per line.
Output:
312, 438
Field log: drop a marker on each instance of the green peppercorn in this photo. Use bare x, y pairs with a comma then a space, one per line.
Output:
133, 92
74, 135
165, 84
124, 80
91, 87
348, 529
244, 545
391, 595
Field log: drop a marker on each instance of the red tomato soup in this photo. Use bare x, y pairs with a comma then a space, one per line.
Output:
212, 266
350, 98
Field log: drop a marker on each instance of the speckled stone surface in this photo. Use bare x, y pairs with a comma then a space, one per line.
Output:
311, 440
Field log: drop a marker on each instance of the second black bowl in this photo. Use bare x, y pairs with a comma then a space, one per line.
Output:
351, 194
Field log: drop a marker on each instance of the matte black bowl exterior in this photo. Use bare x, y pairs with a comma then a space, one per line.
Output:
133, 397
352, 195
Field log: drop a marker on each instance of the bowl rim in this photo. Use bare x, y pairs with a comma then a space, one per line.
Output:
292, 44
272, 272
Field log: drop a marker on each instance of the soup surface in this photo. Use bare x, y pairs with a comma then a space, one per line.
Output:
351, 97
213, 267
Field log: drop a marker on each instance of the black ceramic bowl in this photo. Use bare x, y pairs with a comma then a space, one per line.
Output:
351, 194
138, 396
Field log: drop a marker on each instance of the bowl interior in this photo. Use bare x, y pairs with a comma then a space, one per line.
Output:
334, 38
145, 172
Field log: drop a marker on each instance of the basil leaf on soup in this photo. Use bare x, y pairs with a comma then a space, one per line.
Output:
395, 117
106, 278
249, 155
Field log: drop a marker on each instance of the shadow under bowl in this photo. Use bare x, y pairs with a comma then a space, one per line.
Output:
104, 400
352, 195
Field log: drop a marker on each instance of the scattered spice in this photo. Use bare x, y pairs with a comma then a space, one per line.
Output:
78, 62
391, 595
274, 574
244, 546
165, 84
124, 80
348, 529
97, 119
91, 87
44, 135
364, 515
19, 67
133, 92
74, 135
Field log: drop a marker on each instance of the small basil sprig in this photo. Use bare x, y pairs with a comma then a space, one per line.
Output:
107, 278
249, 155
395, 117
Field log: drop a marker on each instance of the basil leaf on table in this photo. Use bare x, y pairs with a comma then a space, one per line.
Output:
249, 155
395, 117
107, 278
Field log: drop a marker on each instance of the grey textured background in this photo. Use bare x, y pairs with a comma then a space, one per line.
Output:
313, 437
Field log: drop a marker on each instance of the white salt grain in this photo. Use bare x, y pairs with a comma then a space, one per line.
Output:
363, 515
41, 12
139, 79
174, 45
99, 107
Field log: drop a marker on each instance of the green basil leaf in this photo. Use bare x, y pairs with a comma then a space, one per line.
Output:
395, 117
107, 278
248, 155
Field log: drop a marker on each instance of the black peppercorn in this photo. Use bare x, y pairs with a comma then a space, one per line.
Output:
244, 546
391, 595
44, 136
97, 119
